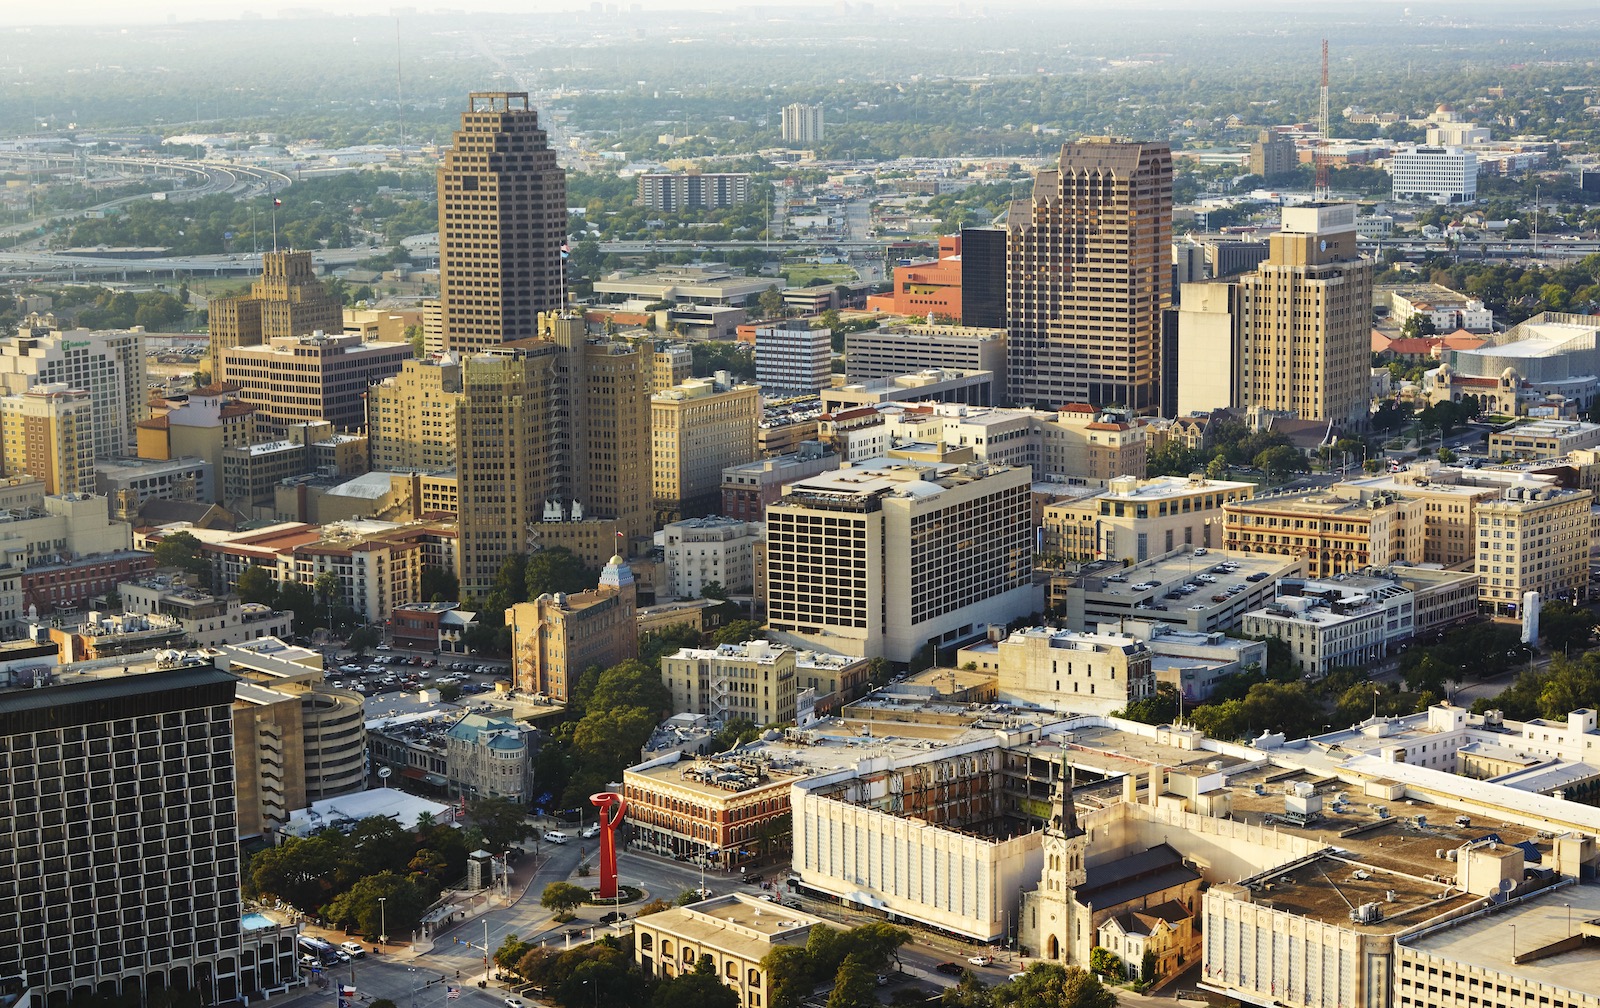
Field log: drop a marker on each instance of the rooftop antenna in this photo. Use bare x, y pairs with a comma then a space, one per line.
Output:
1320, 154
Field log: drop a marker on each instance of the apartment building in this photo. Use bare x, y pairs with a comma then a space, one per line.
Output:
287, 300
48, 432
1532, 539
802, 123
315, 377
891, 556
754, 681
200, 424
670, 193
1434, 175
700, 551
1088, 277
109, 365
793, 359
697, 430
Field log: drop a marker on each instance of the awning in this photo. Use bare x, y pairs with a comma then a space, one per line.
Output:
413, 773
436, 780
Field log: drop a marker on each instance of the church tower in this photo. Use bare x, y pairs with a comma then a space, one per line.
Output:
1049, 914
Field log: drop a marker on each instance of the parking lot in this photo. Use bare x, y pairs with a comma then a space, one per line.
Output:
389, 672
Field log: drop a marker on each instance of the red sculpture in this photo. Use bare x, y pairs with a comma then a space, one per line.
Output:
612, 808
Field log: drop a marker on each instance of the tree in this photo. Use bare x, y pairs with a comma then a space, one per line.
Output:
1105, 962
1566, 627
877, 944
563, 896
1278, 462
364, 637
770, 301
736, 732
511, 951
969, 992
789, 975
403, 902
1159, 709
502, 821
737, 632
556, 570
182, 550
1048, 985
628, 684
699, 988
326, 586
854, 985
255, 585
440, 584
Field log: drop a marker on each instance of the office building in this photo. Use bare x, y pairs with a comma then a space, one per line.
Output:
983, 278
1307, 330
1134, 519
731, 932
1337, 530
286, 300
702, 551
48, 432
754, 682
1093, 446
1083, 672
122, 868
555, 637
1434, 175
671, 193
748, 489
295, 379
1087, 278
502, 224
1210, 347
1449, 499
930, 290
898, 350
201, 424
793, 359
697, 430
1273, 154
1543, 439
206, 618
412, 416
674, 365
802, 124
109, 365
888, 557
490, 757
1533, 539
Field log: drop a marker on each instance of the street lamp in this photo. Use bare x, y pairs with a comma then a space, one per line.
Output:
383, 921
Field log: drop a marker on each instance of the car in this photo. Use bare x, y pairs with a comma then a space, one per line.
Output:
512, 1002
952, 968
1257, 576
1202, 551
576, 932
702, 892
590, 832
613, 917
981, 960
1014, 977
354, 949
556, 837
385, 647
882, 980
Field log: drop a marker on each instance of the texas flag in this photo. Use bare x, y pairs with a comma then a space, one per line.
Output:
347, 996
277, 202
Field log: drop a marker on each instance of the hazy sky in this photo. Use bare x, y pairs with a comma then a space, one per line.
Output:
15, 13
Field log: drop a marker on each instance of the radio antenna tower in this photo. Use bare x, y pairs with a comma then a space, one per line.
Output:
1319, 155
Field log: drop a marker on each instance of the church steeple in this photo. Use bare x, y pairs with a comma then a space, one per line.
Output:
1066, 807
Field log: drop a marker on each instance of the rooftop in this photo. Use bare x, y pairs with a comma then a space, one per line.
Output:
1540, 920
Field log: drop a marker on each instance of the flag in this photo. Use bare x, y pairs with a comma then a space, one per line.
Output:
451, 993
277, 202
347, 991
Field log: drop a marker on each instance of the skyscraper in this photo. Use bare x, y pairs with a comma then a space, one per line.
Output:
1087, 277
802, 123
287, 300
1307, 319
121, 873
502, 222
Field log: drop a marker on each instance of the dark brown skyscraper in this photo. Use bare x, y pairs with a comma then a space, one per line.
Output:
1087, 277
502, 221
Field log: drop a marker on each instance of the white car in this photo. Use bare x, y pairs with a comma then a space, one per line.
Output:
590, 832
556, 837
354, 949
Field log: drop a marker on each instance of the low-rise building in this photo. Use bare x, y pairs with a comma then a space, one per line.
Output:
702, 551
735, 932
945, 385
897, 350
490, 757
1135, 519
1192, 662
206, 619
1543, 439
1329, 625
754, 682
1447, 310
555, 637
1194, 591
728, 811
1532, 539
1065, 670
1336, 529
747, 489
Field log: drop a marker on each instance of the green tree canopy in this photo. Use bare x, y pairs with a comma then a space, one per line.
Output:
182, 550
854, 985
556, 570
699, 988
1048, 985
502, 821
255, 585
561, 896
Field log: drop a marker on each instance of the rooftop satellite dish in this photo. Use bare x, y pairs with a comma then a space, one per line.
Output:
1506, 885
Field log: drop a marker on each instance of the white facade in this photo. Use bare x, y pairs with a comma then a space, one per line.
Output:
793, 359
1435, 175
1209, 347
1328, 624
802, 123
109, 365
701, 550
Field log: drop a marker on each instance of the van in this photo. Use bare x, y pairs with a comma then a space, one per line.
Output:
556, 837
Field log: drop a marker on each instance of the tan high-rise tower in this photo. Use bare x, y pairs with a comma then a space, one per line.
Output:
1307, 319
1087, 277
502, 222
287, 300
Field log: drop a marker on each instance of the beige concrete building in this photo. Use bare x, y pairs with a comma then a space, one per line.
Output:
1082, 443
754, 681
898, 350
286, 300
502, 222
1136, 519
48, 432
1089, 673
1308, 319
107, 364
890, 556
735, 931
674, 365
268, 757
698, 429
1449, 497
554, 638
1338, 529
412, 416
1087, 277
1543, 439
296, 379
1210, 347
202, 424
699, 551
1532, 539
